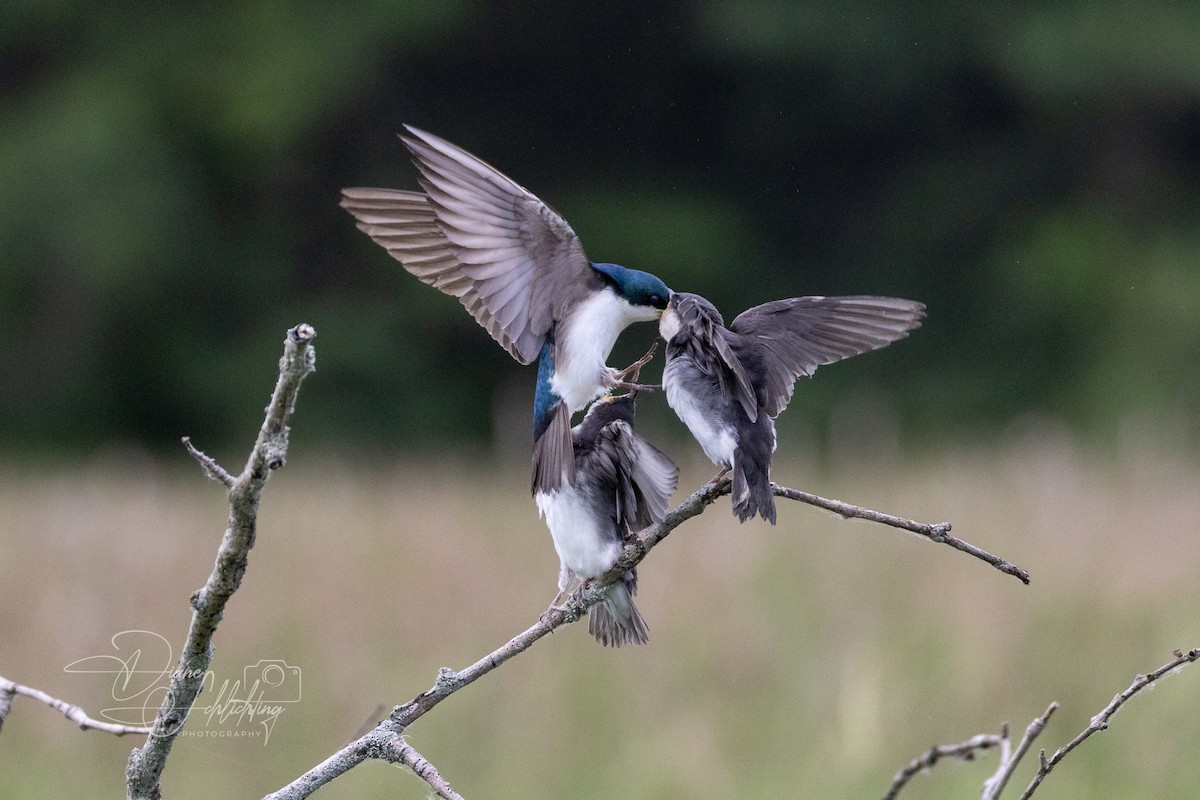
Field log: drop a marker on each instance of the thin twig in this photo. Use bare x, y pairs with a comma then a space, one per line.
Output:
72, 712
1100, 721
143, 773
964, 751
994, 786
936, 532
211, 468
402, 752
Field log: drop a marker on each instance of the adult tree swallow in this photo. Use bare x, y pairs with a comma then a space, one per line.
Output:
621, 484
729, 384
520, 270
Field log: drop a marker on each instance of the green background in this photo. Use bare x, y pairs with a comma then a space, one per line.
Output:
169, 180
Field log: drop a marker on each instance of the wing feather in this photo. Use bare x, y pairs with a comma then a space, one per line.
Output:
474, 233
793, 337
708, 333
656, 478
405, 225
494, 222
642, 476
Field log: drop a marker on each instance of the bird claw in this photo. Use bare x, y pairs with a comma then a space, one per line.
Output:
561, 604
638, 387
635, 368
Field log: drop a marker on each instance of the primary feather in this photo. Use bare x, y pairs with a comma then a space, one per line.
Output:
476, 234
793, 337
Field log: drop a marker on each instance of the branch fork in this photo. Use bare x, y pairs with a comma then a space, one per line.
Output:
994, 786
143, 774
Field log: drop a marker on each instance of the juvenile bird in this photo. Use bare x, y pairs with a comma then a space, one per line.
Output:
621, 485
729, 384
521, 272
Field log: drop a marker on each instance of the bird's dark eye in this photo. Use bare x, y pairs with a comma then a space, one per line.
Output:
658, 301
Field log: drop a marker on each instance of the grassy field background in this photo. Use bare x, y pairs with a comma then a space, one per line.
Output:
808, 660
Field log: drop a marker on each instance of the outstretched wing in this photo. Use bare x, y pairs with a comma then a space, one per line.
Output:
654, 476
793, 337
512, 262
641, 476
523, 261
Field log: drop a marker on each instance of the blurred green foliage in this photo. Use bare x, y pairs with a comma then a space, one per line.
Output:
169, 179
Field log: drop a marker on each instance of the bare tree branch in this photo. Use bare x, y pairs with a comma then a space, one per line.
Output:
1100, 721
576, 606
994, 786
964, 751
936, 532
143, 774
384, 742
72, 712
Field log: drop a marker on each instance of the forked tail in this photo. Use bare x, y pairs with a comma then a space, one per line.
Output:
751, 490
615, 620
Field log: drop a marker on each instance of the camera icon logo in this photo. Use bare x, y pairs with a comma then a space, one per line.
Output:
272, 681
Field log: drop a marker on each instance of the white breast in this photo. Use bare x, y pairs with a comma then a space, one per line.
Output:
718, 441
578, 539
585, 338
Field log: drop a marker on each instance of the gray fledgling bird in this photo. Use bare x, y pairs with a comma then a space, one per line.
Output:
622, 484
729, 384
521, 272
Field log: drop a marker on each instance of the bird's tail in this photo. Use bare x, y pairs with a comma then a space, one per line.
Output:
751, 490
615, 620
553, 452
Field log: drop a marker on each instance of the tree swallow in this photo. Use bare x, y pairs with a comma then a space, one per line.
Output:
729, 384
521, 272
622, 484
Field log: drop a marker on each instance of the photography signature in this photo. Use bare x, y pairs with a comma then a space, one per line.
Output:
144, 669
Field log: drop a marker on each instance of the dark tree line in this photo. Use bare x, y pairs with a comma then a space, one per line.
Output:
1031, 174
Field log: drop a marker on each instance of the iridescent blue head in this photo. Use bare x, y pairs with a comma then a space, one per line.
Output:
639, 288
